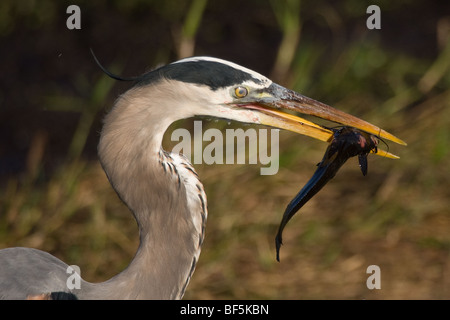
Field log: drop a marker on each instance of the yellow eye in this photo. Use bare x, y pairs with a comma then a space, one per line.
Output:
240, 92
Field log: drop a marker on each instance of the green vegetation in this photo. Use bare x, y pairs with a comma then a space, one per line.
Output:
397, 217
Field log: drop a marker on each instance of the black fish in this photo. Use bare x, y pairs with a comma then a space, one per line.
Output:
347, 142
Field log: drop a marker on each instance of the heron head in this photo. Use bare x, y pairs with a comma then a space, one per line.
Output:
219, 88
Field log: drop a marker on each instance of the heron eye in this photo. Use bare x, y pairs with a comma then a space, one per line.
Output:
240, 92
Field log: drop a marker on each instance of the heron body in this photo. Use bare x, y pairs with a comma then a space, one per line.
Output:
162, 189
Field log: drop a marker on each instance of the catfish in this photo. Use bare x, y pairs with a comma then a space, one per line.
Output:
346, 142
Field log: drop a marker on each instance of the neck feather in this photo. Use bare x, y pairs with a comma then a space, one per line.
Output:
164, 195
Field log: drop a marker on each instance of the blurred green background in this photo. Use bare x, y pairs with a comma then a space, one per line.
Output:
54, 195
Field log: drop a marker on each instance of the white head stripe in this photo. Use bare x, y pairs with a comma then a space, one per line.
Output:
266, 81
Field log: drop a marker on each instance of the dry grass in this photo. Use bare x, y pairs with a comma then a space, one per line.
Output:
397, 217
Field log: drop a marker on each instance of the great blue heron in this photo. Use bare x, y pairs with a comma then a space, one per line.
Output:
162, 189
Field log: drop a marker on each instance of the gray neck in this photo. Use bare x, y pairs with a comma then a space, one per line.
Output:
131, 155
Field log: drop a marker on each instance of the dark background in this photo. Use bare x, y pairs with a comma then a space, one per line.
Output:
53, 96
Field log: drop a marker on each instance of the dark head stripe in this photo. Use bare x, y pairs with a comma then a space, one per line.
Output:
209, 73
